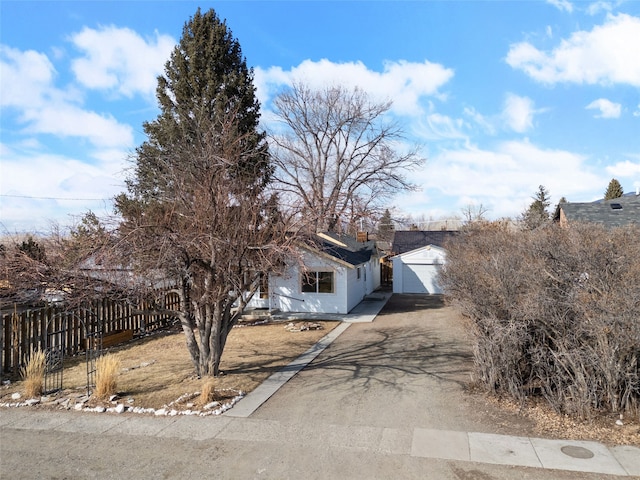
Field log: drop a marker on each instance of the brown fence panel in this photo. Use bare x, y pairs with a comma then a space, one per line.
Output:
22, 331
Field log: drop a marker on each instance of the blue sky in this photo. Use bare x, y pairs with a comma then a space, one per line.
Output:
500, 96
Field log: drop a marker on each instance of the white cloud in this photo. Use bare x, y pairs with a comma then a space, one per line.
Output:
26, 77
608, 54
40, 180
70, 121
503, 179
606, 108
485, 123
406, 83
627, 169
28, 88
120, 60
563, 5
597, 7
34, 173
637, 112
518, 112
436, 126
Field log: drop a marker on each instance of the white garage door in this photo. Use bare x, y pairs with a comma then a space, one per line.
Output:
420, 279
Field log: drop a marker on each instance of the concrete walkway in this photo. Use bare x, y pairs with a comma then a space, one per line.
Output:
577, 456
253, 420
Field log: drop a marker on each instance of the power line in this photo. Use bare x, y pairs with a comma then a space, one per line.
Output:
58, 198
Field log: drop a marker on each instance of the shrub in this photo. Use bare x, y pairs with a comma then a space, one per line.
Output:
33, 373
208, 391
555, 312
107, 368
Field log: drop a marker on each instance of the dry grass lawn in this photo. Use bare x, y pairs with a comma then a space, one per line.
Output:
157, 370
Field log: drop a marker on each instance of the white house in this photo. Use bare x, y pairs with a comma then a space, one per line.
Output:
416, 271
335, 274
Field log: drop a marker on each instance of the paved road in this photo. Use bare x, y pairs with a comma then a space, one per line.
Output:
384, 400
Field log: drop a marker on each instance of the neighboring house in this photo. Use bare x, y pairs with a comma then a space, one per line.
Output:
336, 272
610, 213
418, 256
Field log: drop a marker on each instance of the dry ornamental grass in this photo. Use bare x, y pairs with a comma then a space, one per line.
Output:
33, 374
107, 370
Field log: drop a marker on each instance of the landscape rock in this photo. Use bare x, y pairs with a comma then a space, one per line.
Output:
16, 396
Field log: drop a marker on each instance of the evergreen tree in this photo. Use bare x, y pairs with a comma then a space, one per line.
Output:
206, 90
537, 213
614, 190
32, 249
196, 209
385, 226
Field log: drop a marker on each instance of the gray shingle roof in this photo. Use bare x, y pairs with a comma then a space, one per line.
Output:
610, 213
353, 252
407, 240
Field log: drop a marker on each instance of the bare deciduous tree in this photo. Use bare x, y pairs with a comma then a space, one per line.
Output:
34, 271
337, 157
474, 213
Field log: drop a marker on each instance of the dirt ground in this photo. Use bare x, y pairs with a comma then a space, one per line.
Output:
156, 370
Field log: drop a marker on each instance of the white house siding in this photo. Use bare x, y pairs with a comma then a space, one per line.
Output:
286, 296
357, 287
416, 271
373, 275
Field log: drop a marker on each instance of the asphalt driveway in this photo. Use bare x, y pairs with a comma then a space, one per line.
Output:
410, 367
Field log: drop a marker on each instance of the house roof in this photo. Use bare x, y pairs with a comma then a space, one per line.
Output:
610, 213
343, 248
408, 240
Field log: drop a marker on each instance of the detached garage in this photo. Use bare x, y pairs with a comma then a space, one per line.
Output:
416, 271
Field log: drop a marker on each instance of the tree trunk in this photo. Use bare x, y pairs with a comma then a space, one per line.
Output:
186, 321
192, 344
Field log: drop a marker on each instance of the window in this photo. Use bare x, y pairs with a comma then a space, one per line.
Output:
358, 273
317, 282
264, 285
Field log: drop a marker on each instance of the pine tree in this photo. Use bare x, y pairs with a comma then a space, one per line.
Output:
196, 207
206, 89
385, 226
537, 213
32, 249
614, 190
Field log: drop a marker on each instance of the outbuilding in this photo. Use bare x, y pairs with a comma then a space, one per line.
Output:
416, 271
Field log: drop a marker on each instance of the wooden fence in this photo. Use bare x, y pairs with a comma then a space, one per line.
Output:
22, 331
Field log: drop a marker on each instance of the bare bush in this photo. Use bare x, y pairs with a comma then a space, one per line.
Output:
555, 312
